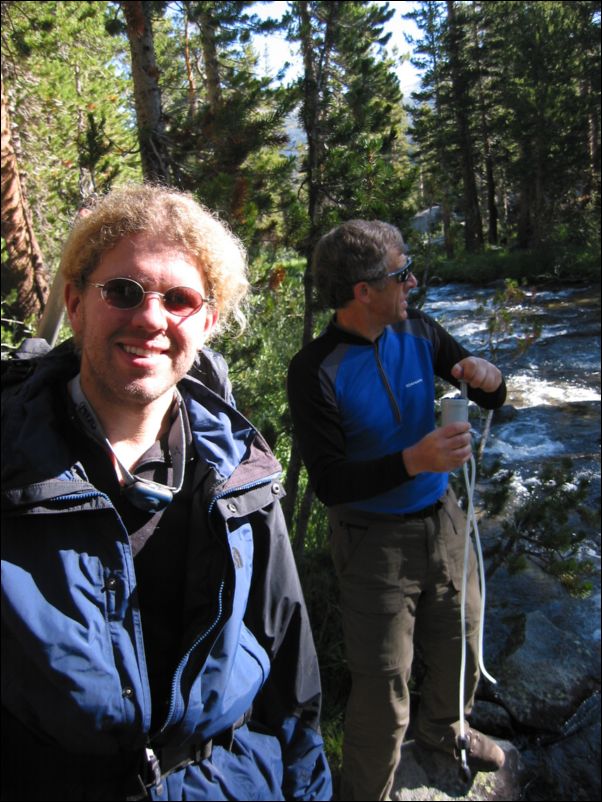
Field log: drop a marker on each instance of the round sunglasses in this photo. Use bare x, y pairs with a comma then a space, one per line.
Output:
125, 293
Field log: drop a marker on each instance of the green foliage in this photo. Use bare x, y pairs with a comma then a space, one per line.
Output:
498, 492
351, 112
373, 178
530, 96
259, 358
13, 331
502, 320
551, 264
332, 732
70, 104
226, 123
549, 525
95, 148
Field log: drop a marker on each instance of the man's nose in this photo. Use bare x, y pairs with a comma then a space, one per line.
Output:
151, 312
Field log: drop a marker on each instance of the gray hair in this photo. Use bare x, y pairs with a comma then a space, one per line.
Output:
354, 251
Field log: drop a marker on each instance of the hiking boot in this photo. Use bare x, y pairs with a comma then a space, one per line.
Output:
482, 753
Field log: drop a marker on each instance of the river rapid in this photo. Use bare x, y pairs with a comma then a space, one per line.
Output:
554, 386
543, 644
552, 408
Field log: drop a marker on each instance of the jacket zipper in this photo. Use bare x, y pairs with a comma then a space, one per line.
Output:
142, 667
213, 625
385, 381
184, 660
83, 496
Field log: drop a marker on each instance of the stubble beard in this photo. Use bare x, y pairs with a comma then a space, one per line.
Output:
139, 392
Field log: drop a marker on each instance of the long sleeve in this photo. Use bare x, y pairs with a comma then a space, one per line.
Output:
353, 409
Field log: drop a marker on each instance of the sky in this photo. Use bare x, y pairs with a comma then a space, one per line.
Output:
277, 50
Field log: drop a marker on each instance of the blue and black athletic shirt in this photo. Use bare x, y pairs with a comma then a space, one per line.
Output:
357, 404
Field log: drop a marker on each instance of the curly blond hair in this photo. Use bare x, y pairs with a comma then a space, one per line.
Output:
181, 220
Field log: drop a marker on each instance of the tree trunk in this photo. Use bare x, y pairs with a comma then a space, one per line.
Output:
594, 150
492, 235
212, 77
524, 228
473, 231
24, 268
303, 520
448, 239
192, 91
291, 484
87, 179
310, 114
492, 212
315, 75
147, 94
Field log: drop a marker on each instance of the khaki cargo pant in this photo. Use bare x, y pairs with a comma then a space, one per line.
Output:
400, 581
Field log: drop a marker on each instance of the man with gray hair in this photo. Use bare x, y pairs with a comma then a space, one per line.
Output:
362, 402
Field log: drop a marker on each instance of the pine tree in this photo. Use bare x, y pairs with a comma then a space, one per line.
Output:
70, 126
226, 122
433, 127
23, 272
154, 150
70, 101
510, 104
355, 165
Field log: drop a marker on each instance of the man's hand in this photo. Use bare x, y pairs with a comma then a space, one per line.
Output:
442, 450
478, 373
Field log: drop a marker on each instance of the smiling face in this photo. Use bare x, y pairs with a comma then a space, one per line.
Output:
133, 358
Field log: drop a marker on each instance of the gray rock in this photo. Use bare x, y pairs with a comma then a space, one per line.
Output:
490, 717
573, 762
547, 675
435, 776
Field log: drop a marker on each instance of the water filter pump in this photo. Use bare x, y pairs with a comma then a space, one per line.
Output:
455, 410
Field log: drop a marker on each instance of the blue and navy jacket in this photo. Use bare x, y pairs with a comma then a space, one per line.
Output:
356, 405
75, 688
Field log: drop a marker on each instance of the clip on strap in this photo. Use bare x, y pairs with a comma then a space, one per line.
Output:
149, 777
154, 769
169, 759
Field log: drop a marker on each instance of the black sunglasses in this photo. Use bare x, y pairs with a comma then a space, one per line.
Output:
401, 275
125, 293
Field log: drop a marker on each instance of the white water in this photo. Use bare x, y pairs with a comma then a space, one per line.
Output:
526, 390
553, 387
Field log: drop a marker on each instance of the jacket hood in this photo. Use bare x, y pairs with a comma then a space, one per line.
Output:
226, 440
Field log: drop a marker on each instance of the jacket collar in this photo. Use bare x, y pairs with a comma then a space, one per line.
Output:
33, 450
349, 337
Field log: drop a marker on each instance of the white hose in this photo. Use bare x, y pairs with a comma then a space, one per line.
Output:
471, 522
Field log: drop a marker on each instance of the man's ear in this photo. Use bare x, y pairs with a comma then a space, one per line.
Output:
360, 291
211, 319
73, 306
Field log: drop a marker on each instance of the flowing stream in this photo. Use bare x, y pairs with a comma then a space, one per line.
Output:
553, 386
552, 412
552, 409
